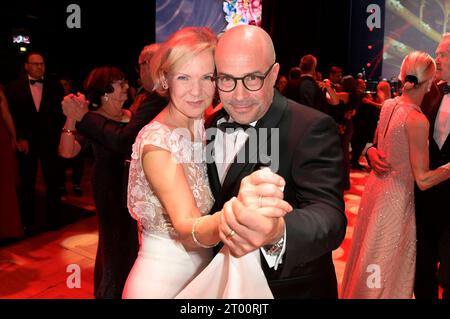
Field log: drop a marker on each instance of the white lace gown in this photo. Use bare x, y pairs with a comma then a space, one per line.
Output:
164, 267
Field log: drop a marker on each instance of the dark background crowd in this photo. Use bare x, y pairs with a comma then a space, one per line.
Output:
113, 34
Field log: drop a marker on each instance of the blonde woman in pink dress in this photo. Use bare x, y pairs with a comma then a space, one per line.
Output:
382, 257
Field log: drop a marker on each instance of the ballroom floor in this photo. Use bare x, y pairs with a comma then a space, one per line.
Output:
44, 266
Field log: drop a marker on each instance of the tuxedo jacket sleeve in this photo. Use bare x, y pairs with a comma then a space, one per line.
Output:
318, 223
116, 137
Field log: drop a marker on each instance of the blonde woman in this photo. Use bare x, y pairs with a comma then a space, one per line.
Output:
382, 257
168, 190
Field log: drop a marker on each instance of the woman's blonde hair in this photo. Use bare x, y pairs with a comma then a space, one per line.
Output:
383, 91
419, 65
148, 52
181, 47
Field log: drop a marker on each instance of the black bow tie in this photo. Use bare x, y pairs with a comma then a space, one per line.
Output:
32, 82
446, 89
232, 125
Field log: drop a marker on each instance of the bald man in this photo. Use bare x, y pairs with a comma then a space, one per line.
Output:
296, 249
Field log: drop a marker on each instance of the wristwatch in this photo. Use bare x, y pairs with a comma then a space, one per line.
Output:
276, 248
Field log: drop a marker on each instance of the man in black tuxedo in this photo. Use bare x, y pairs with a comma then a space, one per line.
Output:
307, 91
432, 205
35, 107
296, 249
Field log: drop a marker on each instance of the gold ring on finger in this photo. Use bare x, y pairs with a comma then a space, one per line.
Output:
230, 234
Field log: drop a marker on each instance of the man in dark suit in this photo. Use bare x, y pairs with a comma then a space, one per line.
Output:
35, 107
306, 89
296, 249
432, 205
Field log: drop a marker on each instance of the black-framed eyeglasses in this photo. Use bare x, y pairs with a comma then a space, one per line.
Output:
252, 81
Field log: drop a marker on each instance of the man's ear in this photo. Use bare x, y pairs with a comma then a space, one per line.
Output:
274, 73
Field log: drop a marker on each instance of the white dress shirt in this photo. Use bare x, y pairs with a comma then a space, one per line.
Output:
226, 147
36, 92
442, 124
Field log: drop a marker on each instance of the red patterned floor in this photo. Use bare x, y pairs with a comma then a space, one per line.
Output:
37, 267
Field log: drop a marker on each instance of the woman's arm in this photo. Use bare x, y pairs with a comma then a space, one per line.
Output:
417, 127
377, 159
369, 101
68, 145
330, 94
343, 96
169, 183
7, 117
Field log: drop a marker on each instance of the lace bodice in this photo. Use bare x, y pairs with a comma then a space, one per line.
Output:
143, 204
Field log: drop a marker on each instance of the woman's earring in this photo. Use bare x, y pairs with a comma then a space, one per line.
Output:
165, 86
106, 97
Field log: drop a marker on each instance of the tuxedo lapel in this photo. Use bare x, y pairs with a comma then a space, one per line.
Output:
434, 107
430, 107
28, 96
273, 116
213, 175
433, 115
446, 147
270, 120
45, 94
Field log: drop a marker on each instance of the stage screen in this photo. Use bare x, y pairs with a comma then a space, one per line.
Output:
218, 15
412, 25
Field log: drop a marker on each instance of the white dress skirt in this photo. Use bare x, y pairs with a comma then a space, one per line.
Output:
228, 277
163, 268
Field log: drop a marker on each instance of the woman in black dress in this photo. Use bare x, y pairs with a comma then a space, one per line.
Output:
118, 240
